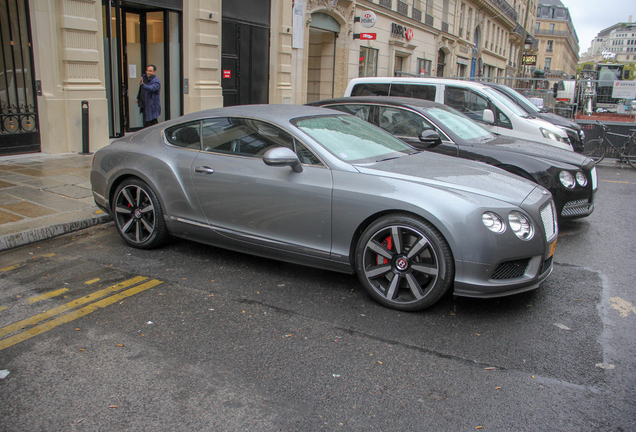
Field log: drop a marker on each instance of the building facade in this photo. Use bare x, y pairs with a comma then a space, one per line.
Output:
558, 51
69, 60
617, 42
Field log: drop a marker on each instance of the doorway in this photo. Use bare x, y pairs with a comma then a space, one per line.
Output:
321, 58
138, 36
18, 103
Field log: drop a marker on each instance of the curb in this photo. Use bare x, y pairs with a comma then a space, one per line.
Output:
12, 241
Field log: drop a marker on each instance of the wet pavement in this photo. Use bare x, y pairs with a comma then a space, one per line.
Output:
43, 196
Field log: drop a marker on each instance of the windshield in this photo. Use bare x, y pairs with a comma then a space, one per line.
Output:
523, 101
351, 139
458, 124
506, 101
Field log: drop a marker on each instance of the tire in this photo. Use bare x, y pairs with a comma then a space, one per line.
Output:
631, 156
404, 263
138, 215
595, 149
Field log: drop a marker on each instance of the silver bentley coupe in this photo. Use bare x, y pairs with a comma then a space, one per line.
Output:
326, 189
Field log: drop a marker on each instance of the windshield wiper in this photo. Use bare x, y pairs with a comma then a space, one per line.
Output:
389, 158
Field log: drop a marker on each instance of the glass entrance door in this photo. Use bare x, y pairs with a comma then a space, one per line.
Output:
140, 36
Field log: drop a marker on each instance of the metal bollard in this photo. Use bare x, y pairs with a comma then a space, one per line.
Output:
85, 128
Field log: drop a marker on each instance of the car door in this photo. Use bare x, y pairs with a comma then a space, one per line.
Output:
246, 200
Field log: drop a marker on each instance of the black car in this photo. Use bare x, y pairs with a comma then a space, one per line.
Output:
573, 129
570, 176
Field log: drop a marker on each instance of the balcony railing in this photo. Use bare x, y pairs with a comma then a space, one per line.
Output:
428, 20
445, 27
386, 3
403, 8
416, 14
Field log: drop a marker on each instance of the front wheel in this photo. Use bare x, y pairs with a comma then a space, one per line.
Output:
631, 156
138, 215
404, 262
595, 149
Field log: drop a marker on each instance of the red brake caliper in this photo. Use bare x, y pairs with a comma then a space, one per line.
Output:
387, 243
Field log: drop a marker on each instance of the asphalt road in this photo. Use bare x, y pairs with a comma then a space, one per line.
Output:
215, 340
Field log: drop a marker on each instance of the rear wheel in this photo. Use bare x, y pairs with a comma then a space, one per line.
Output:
404, 262
138, 215
595, 149
631, 156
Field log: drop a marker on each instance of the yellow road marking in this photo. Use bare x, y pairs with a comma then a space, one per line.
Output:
68, 306
49, 325
46, 296
3, 308
615, 181
15, 266
92, 281
6, 269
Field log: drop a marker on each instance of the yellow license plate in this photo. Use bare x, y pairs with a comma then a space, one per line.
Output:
552, 249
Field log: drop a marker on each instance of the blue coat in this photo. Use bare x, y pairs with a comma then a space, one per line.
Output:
152, 110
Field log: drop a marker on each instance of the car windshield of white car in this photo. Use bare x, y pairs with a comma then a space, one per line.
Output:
353, 140
506, 101
458, 124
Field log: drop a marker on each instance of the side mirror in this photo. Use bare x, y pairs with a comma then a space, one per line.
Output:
431, 138
489, 117
283, 156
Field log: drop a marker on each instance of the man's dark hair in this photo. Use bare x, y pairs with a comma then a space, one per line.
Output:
154, 68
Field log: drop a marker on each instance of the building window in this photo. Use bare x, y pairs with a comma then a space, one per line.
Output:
550, 46
551, 28
424, 66
368, 62
548, 63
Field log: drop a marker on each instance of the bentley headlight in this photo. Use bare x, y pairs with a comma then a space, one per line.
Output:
567, 179
493, 222
520, 225
581, 179
582, 135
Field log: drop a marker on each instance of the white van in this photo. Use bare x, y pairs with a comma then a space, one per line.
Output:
479, 102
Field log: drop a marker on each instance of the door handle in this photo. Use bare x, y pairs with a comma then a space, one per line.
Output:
204, 170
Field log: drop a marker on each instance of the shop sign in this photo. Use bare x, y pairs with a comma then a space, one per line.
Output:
529, 60
368, 36
227, 73
401, 31
368, 19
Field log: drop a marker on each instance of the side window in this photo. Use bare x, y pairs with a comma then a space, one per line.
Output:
243, 137
466, 102
249, 138
426, 92
368, 89
360, 111
185, 135
403, 123
503, 121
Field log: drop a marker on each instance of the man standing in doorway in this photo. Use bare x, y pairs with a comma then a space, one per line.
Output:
148, 98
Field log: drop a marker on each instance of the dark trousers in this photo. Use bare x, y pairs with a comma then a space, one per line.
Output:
150, 122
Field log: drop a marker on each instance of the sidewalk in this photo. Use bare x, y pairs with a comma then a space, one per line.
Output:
44, 196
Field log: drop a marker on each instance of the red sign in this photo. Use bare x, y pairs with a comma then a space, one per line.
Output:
227, 74
367, 36
409, 34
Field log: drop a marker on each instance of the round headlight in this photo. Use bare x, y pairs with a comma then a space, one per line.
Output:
493, 222
581, 179
567, 179
520, 225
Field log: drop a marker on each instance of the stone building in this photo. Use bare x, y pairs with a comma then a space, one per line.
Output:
63, 59
558, 51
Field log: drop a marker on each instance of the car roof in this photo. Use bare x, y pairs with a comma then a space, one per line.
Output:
273, 113
386, 100
421, 80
